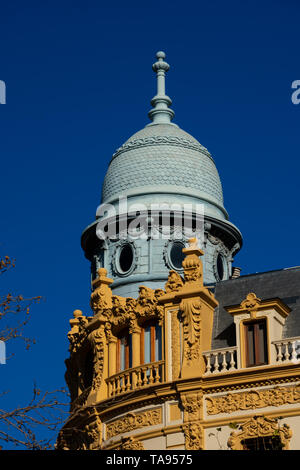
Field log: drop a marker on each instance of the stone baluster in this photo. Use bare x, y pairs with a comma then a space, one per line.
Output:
224, 363
232, 361
216, 363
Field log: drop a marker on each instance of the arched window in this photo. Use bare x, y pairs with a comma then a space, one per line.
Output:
151, 342
124, 351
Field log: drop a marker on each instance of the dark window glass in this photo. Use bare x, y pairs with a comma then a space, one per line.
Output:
263, 443
126, 258
256, 343
251, 344
220, 266
176, 255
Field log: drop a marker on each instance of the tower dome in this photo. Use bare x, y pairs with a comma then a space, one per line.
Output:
161, 164
163, 159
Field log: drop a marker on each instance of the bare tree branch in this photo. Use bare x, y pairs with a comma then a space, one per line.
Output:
21, 427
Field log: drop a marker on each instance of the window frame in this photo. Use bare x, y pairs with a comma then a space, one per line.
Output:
153, 324
124, 335
256, 347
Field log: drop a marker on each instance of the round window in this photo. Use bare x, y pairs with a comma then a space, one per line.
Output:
220, 266
125, 258
176, 255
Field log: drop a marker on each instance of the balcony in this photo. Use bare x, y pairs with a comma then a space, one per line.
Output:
287, 350
220, 361
136, 378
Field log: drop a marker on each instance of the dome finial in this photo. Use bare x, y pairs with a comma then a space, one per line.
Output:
161, 113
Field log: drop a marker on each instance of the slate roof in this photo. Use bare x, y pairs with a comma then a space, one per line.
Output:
284, 284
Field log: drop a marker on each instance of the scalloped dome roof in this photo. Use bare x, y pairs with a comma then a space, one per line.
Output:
158, 156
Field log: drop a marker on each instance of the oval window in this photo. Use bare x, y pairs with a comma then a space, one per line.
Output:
125, 258
176, 255
220, 266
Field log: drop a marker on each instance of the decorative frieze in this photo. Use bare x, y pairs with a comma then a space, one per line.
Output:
134, 421
253, 399
162, 140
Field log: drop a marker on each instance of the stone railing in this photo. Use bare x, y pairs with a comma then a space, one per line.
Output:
287, 350
220, 360
136, 378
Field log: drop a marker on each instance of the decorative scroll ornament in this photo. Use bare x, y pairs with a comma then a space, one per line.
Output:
251, 302
190, 312
133, 421
193, 433
97, 339
260, 426
253, 399
174, 282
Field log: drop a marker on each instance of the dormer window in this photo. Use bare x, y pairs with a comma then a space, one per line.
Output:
256, 343
259, 324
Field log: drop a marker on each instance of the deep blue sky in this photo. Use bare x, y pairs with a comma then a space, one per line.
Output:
79, 83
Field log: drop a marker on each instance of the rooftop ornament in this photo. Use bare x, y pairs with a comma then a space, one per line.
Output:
161, 113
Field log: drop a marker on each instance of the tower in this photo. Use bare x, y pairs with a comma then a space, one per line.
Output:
159, 174
168, 361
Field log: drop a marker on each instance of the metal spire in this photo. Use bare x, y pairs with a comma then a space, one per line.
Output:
161, 113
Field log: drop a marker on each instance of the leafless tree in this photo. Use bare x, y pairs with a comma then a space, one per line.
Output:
46, 411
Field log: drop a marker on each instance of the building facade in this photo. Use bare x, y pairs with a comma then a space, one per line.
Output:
181, 352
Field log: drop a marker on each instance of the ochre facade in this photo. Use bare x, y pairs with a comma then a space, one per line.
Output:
193, 397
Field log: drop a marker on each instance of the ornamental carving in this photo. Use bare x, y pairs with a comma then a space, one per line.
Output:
77, 334
130, 443
87, 438
193, 433
97, 339
175, 345
147, 304
260, 426
162, 140
134, 421
251, 302
191, 315
174, 282
253, 399
101, 297
192, 265
192, 405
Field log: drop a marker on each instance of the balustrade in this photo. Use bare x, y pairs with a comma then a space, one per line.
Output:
136, 378
220, 360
